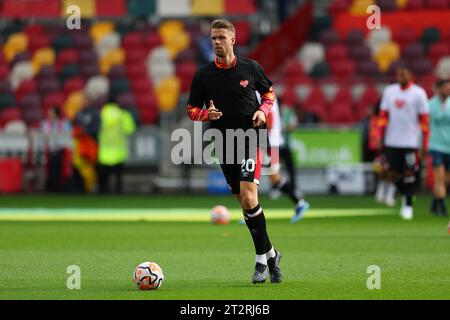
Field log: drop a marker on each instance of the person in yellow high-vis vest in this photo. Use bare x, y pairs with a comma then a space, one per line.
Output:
116, 125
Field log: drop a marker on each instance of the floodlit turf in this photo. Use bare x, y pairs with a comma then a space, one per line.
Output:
323, 258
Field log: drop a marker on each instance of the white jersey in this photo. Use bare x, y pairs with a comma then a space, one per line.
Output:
404, 107
273, 124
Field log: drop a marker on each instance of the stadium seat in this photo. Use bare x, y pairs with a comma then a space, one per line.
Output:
148, 108
387, 5
43, 56
112, 8
243, 32
62, 41
119, 85
359, 7
377, 37
302, 91
67, 56
96, 86
161, 71
38, 41
21, 71
420, 67
26, 87
185, 71
7, 100
47, 86
87, 7
74, 103
68, 71
289, 97
415, 5
167, 93
89, 70
354, 37
51, 100
132, 41
20, 57
387, 52
437, 50
100, 29
329, 37
241, 7
369, 97
73, 84
405, 36
437, 4
136, 71
329, 90
357, 90
413, 51
5, 87
141, 86
310, 54
208, 7
151, 40
320, 69
338, 6
112, 57
16, 43
177, 42
108, 42
344, 68
360, 52
30, 102
88, 57
116, 72
340, 113
139, 8
336, 52
368, 68
9, 114
126, 100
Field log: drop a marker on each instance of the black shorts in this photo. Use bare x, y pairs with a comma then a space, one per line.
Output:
440, 159
402, 160
247, 169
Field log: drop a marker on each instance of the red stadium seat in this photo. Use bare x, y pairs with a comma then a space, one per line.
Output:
132, 41
51, 100
438, 4
4, 72
289, 97
9, 114
343, 69
336, 53
34, 8
338, 6
47, 86
243, 32
151, 40
26, 87
68, 56
343, 95
315, 102
415, 4
111, 8
141, 86
438, 50
73, 84
135, 71
242, 7
405, 36
341, 113
148, 108
185, 71
369, 98
37, 41
135, 56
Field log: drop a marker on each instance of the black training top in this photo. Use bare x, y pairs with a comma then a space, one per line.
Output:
232, 91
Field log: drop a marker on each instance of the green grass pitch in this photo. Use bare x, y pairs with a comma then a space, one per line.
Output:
325, 256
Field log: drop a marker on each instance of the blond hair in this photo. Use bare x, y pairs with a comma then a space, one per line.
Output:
223, 24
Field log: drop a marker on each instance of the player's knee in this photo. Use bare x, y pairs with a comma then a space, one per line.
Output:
249, 200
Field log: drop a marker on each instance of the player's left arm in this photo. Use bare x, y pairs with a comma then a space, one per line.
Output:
264, 87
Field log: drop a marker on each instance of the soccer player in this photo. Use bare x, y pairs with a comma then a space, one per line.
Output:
278, 145
404, 117
439, 145
227, 87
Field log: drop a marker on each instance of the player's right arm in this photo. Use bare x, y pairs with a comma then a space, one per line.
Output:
196, 101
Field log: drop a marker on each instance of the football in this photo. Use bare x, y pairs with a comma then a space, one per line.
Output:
220, 215
148, 276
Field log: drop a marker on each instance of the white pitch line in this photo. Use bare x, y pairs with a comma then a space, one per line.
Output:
161, 214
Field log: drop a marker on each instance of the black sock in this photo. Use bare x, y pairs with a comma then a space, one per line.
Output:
434, 204
441, 204
409, 201
256, 223
286, 187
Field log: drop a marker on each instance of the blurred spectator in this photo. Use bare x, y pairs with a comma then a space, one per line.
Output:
306, 117
89, 120
370, 134
54, 127
116, 125
85, 149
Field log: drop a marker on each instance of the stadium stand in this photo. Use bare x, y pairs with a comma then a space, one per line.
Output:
149, 65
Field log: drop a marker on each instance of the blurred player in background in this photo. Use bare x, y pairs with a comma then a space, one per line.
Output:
440, 145
404, 117
230, 83
279, 148
385, 192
